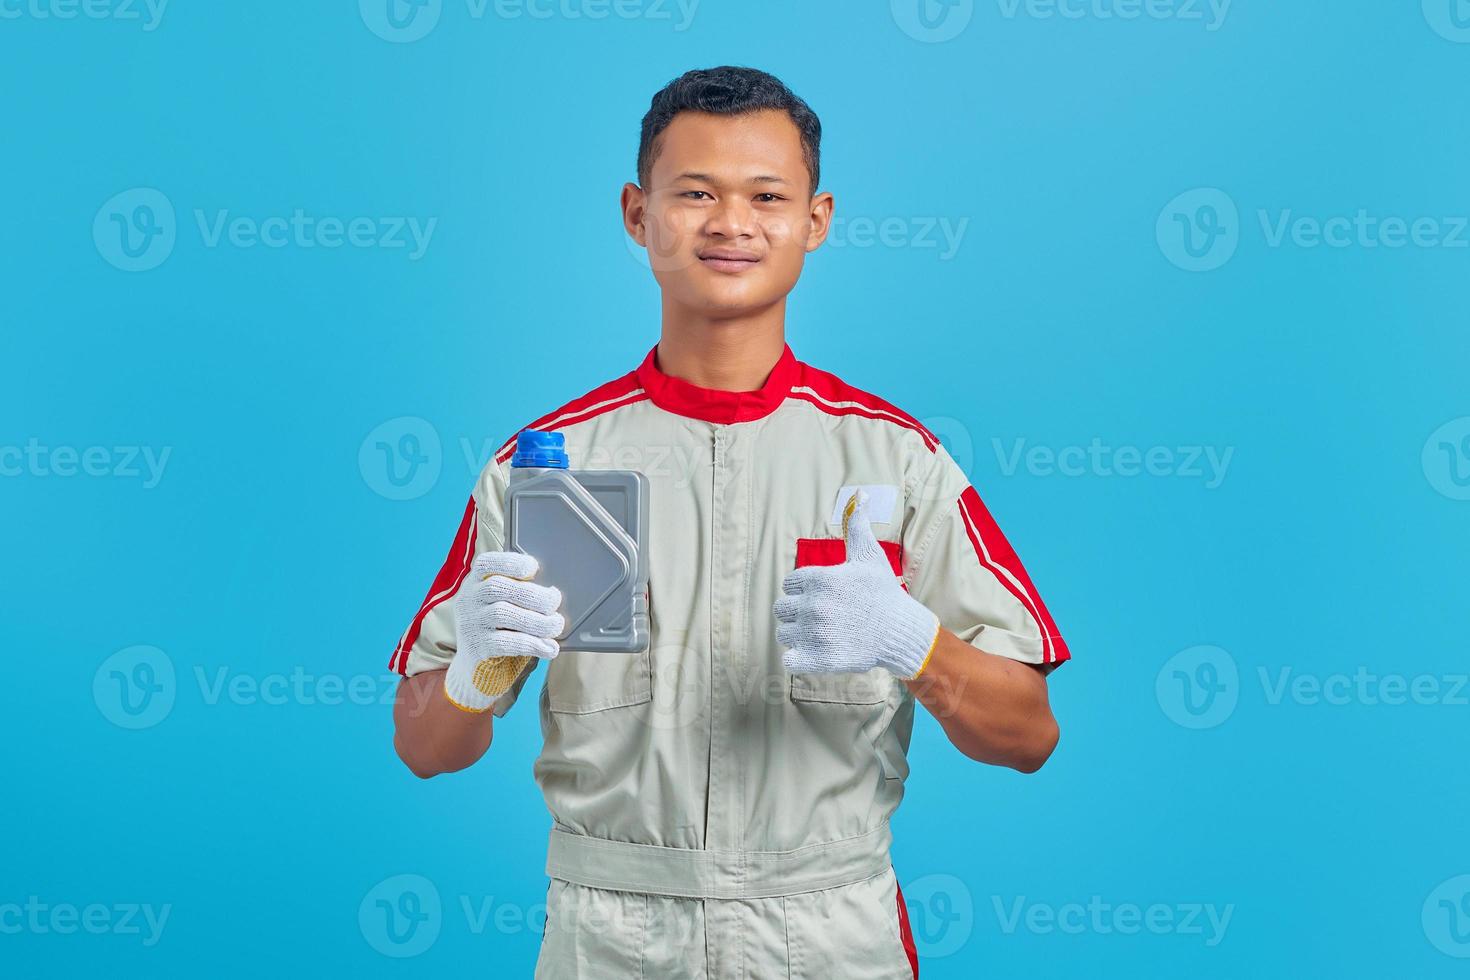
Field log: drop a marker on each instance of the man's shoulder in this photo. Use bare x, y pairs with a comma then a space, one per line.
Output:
623, 390
834, 396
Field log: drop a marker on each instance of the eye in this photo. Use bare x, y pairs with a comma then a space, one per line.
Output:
768, 198
690, 194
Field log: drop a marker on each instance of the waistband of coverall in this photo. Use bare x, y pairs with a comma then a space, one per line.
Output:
684, 872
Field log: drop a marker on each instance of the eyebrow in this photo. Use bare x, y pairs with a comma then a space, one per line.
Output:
709, 178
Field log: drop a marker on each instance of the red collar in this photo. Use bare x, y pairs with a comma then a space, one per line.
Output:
712, 404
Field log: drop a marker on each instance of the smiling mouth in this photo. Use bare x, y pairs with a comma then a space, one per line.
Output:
729, 264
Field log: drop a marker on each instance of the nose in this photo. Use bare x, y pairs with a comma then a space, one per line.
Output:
731, 217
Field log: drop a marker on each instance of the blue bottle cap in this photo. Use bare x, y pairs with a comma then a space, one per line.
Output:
535, 448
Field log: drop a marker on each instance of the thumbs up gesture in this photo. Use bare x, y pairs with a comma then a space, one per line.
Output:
852, 617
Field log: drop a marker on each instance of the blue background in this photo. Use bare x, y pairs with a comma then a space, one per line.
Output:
1335, 542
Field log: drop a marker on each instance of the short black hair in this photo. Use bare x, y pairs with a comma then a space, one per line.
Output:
729, 90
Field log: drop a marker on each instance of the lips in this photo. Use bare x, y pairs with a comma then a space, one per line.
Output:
728, 259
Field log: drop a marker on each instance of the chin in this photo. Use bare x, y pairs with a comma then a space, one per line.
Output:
733, 301
725, 297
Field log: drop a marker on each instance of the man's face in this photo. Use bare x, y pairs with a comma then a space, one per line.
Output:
727, 216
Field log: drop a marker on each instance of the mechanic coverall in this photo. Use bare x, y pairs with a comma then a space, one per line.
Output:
715, 816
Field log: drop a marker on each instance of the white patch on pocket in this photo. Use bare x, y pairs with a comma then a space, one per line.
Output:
882, 498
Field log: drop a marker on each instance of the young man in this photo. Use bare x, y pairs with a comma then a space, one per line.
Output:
818, 563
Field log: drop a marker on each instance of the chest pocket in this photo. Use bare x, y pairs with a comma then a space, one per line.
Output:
869, 687
580, 683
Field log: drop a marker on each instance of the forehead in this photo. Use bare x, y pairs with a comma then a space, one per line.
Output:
730, 148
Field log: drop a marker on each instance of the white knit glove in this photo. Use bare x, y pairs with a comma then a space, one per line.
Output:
502, 620
855, 616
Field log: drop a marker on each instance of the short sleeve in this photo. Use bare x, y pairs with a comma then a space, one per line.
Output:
959, 564
429, 642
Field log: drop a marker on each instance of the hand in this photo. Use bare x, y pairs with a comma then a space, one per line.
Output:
855, 616
501, 619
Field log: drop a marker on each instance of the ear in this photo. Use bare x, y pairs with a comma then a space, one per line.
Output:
634, 204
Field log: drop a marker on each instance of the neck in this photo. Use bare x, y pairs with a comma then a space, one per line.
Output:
734, 354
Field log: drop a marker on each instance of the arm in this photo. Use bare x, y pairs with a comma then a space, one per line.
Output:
499, 623
854, 616
987, 680
472, 643
994, 709
431, 735
503, 623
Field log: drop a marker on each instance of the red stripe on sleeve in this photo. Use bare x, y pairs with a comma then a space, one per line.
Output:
997, 555
456, 566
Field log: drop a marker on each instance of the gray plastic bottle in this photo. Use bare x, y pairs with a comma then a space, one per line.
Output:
588, 529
